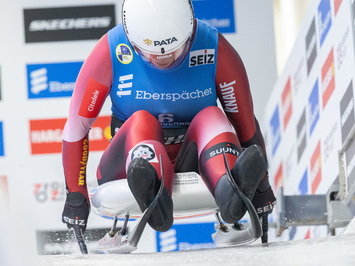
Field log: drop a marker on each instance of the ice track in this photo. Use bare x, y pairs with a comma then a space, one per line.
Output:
336, 250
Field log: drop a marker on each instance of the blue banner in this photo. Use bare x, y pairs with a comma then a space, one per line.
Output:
313, 103
275, 129
217, 13
303, 185
52, 80
324, 19
186, 237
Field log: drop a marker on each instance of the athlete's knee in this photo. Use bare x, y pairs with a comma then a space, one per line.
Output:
142, 114
212, 110
213, 113
144, 117
211, 116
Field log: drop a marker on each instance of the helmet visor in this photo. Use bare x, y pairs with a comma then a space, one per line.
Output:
165, 61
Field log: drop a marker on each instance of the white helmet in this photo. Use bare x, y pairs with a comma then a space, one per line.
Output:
159, 29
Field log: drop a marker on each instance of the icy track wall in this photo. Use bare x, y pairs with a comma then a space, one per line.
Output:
310, 113
43, 45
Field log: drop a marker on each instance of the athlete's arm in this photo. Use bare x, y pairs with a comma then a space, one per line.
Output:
91, 89
234, 94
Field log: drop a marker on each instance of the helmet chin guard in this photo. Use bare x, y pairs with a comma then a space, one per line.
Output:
159, 30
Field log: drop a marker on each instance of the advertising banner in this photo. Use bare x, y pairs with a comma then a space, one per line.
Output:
52, 80
217, 13
68, 23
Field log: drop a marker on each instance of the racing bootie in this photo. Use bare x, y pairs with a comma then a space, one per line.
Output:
144, 183
247, 172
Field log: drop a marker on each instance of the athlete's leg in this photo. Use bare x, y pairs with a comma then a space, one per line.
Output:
140, 136
134, 154
209, 134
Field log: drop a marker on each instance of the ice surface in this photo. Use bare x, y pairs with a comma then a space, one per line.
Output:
335, 250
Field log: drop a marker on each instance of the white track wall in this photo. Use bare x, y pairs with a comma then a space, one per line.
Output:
311, 109
31, 176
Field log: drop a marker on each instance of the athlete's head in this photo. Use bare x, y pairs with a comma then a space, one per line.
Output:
160, 31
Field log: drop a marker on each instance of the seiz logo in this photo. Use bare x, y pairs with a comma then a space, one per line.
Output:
165, 42
73, 221
202, 57
45, 192
266, 208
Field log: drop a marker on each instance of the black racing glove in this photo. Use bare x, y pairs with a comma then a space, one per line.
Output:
264, 199
76, 211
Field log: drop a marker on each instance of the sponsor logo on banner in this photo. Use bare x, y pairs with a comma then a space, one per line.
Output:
350, 163
313, 108
275, 130
287, 103
47, 135
324, 19
311, 46
279, 179
347, 113
49, 191
95, 94
52, 80
328, 78
316, 169
201, 57
1, 140
186, 237
303, 186
216, 13
301, 135
342, 48
328, 143
298, 76
337, 4
289, 163
68, 23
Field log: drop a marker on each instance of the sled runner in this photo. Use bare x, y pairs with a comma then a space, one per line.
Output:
191, 198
